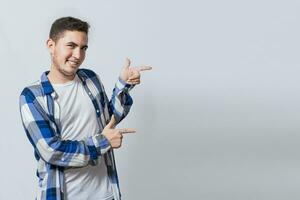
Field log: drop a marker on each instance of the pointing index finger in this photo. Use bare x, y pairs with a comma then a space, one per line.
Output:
127, 130
144, 68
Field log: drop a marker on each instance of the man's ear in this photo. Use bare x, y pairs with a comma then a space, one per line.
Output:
50, 45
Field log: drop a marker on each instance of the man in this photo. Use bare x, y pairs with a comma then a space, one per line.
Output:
71, 123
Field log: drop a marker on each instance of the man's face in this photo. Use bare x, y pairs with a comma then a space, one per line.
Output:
68, 52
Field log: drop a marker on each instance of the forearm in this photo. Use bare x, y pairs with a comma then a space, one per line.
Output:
72, 153
48, 143
121, 100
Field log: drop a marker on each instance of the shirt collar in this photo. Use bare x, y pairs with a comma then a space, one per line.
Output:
47, 86
82, 75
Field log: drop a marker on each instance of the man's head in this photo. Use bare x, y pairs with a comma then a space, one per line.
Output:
63, 24
67, 43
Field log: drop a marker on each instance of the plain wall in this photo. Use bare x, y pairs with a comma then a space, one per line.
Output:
217, 117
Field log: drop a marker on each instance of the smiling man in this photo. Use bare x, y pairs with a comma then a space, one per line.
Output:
70, 122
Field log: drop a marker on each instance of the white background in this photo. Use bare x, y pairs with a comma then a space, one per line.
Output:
217, 117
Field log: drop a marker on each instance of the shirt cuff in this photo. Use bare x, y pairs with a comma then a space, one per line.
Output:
98, 145
122, 85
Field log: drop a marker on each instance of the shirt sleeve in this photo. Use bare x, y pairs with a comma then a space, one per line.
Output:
49, 145
121, 101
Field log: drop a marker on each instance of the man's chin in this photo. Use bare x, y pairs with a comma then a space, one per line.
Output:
70, 73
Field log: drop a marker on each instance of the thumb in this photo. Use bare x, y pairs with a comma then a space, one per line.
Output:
127, 63
112, 122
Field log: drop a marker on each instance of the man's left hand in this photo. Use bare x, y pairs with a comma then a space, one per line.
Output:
132, 75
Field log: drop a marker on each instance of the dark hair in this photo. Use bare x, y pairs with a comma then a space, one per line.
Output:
63, 24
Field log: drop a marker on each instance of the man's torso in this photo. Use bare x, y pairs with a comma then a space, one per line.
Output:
77, 121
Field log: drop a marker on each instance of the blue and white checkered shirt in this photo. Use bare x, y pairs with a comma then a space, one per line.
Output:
40, 116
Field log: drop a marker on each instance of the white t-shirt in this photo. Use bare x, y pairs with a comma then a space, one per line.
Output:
77, 122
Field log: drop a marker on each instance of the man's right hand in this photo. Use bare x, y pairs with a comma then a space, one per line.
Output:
115, 136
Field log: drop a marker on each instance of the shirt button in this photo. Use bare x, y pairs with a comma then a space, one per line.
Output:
90, 93
97, 111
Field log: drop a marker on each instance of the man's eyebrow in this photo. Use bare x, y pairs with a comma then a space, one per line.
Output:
73, 43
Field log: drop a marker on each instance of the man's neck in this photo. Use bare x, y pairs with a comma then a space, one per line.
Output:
56, 77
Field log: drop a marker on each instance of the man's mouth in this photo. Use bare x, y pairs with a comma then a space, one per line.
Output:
73, 63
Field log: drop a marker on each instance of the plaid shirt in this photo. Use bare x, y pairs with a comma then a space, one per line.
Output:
40, 116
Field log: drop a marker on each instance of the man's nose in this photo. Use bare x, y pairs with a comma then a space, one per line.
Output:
77, 53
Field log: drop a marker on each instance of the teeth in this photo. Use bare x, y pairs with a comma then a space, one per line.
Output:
72, 62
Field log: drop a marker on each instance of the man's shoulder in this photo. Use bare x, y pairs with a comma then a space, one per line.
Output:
34, 89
